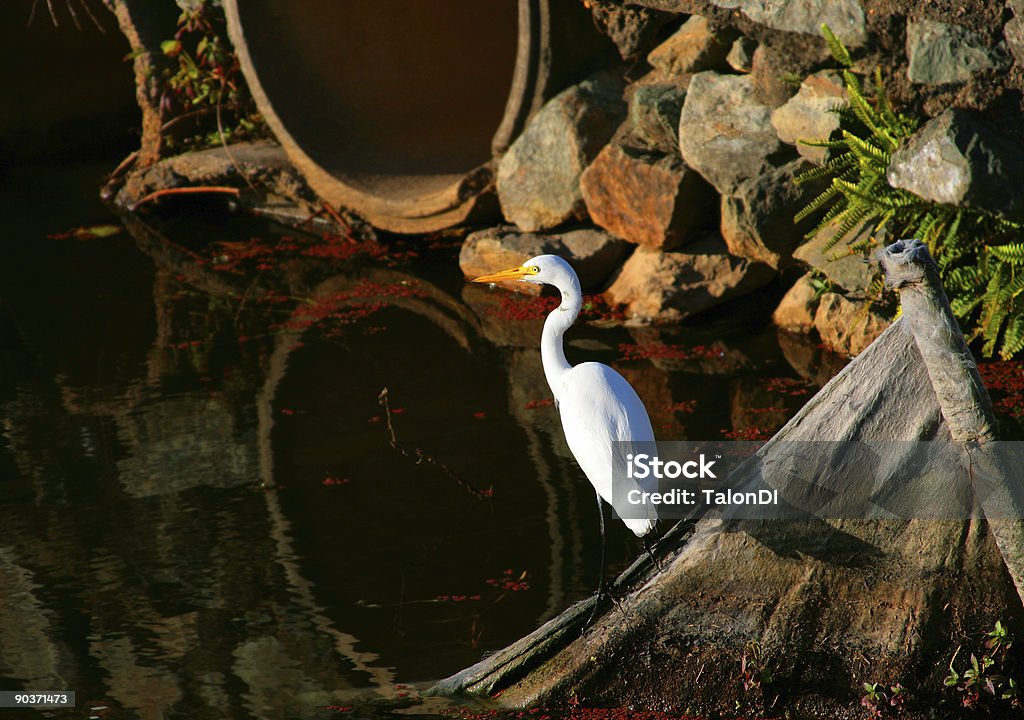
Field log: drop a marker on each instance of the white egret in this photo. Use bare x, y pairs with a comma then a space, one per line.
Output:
600, 410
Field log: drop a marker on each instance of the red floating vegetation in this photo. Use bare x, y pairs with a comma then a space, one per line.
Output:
510, 582
1005, 380
787, 386
661, 351
522, 307
458, 598
534, 404
346, 307
684, 406
339, 249
331, 481
263, 255
480, 415
752, 433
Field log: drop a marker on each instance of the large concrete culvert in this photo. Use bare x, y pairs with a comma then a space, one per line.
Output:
396, 108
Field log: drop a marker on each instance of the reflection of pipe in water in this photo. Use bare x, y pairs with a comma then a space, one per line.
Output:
525, 373
26, 651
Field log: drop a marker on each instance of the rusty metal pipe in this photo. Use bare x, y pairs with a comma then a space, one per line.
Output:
397, 108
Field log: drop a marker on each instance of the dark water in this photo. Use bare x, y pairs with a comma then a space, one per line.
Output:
201, 512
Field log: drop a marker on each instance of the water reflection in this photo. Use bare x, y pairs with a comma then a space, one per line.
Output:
203, 515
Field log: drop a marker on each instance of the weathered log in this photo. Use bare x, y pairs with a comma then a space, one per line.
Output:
965, 403
816, 607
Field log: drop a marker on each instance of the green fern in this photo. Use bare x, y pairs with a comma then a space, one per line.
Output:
980, 255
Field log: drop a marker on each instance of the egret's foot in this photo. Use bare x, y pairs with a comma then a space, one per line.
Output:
603, 593
650, 548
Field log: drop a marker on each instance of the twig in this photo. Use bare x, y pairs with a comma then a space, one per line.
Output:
191, 114
198, 190
224, 142
418, 456
124, 165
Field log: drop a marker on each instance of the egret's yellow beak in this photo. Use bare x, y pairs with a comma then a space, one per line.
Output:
510, 274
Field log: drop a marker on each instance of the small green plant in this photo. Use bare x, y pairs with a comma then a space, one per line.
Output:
753, 668
988, 677
881, 701
203, 89
979, 254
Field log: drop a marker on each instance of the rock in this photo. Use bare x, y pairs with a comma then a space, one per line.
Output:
741, 54
538, 178
594, 254
940, 53
957, 159
263, 164
851, 271
757, 218
694, 47
795, 312
844, 17
725, 133
809, 114
646, 199
847, 326
634, 30
654, 109
772, 70
669, 286
1013, 31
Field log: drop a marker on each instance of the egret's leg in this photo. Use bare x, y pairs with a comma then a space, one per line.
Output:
601, 591
604, 546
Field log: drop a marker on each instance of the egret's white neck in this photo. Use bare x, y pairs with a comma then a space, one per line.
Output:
561, 319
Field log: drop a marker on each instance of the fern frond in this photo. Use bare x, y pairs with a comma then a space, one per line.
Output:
836, 47
1013, 338
830, 193
1012, 253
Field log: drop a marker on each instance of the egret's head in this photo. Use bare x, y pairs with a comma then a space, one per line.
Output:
540, 270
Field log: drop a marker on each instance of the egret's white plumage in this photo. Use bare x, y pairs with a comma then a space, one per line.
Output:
597, 405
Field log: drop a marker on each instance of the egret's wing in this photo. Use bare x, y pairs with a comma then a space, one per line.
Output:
599, 408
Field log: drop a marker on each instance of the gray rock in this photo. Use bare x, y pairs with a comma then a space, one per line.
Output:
538, 178
648, 199
694, 47
844, 17
654, 109
851, 271
1013, 31
658, 286
956, 159
757, 218
725, 133
940, 53
594, 254
809, 114
263, 164
741, 54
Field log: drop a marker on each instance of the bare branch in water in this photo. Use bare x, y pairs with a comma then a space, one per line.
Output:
418, 456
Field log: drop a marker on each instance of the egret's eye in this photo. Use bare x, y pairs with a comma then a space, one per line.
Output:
535, 269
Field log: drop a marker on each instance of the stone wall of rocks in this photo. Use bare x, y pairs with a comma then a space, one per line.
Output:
671, 177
